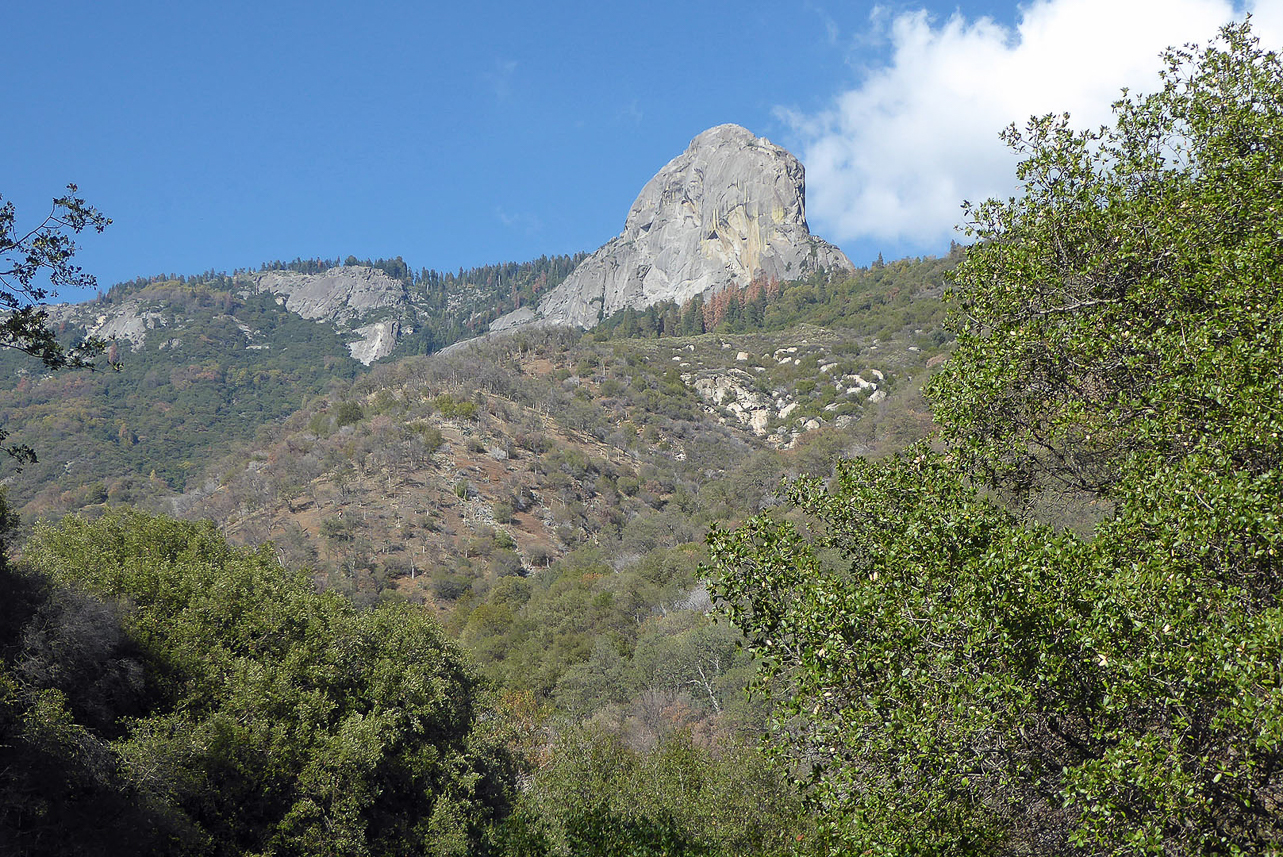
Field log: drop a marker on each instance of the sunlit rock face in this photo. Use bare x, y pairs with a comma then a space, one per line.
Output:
729, 209
344, 296
340, 295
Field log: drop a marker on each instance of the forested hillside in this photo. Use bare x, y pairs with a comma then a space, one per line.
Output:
140, 431
547, 494
453, 306
221, 361
546, 497
224, 362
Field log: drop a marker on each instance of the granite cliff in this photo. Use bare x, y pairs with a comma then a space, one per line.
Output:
730, 208
345, 296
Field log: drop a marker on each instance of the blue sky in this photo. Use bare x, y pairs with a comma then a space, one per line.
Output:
224, 135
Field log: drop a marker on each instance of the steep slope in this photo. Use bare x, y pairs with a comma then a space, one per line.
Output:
728, 210
547, 493
204, 361
377, 308
199, 365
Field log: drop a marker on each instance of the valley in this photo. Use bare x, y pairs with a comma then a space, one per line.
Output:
707, 543
544, 495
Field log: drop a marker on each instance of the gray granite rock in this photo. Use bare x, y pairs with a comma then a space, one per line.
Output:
344, 296
340, 295
730, 208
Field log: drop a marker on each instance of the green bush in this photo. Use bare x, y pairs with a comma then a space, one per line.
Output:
597, 797
431, 435
455, 409
319, 424
272, 718
347, 414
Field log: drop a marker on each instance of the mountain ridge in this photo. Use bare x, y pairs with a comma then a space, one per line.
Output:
363, 304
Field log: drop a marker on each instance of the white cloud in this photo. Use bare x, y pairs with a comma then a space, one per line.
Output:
630, 114
500, 78
893, 158
522, 220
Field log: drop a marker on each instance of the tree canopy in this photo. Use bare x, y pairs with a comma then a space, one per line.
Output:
34, 265
164, 692
965, 679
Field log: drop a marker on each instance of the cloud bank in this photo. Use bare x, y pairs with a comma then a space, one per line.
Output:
893, 158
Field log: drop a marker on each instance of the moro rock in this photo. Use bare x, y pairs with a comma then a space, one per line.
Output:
729, 209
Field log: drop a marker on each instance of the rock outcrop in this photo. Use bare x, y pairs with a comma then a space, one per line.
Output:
730, 208
783, 410
341, 295
376, 342
363, 304
345, 296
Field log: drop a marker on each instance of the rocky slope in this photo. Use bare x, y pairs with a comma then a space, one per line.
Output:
729, 209
564, 442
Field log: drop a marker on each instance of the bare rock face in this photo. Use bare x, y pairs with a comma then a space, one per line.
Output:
376, 342
730, 208
129, 323
734, 390
345, 296
339, 294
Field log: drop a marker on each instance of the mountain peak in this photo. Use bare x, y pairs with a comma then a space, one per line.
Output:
726, 132
729, 209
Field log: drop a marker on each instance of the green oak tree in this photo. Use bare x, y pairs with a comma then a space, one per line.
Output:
169, 693
962, 679
595, 797
34, 264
